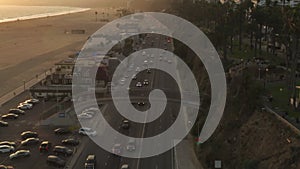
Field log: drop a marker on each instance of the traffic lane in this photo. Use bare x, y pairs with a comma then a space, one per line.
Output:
104, 159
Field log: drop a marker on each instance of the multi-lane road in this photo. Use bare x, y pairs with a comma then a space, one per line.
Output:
158, 80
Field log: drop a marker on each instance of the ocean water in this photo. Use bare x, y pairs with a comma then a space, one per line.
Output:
9, 13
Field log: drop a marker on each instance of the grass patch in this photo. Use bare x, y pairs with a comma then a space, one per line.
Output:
281, 95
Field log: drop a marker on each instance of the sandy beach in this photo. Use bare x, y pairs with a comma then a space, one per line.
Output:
33, 46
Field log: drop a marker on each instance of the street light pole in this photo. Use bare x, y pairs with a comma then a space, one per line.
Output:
24, 84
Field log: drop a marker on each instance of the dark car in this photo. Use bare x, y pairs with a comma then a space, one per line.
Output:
28, 134
125, 124
141, 103
9, 116
45, 146
19, 154
6, 167
17, 111
70, 141
55, 161
3, 123
10, 143
62, 131
90, 162
62, 150
30, 141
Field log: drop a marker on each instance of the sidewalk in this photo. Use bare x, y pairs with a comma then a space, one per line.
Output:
185, 155
26, 85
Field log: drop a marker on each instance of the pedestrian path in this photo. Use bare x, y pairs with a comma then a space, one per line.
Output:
185, 155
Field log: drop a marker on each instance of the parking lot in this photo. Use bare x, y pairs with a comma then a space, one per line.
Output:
29, 121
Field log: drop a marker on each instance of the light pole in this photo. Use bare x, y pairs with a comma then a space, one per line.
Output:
24, 84
265, 81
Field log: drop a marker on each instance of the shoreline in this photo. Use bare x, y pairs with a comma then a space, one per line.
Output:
44, 15
38, 44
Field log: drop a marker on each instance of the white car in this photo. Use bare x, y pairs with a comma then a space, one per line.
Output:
87, 131
84, 116
25, 106
117, 149
32, 101
169, 61
138, 69
92, 113
6, 148
125, 166
92, 109
122, 81
138, 84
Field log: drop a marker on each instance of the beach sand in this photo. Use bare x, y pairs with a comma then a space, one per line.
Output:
33, 46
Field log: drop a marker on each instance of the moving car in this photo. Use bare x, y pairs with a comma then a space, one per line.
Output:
117, 149
16, 111
125, 166
62, 131
141, 103
131, 145
3, 123
6, 149
87, 131
90, 162
138, 84
19, 154
125, 124
146, 82
84, 116
55, 161
30, 141
9, 116
70, 141
62, 150
45, 146
28, 134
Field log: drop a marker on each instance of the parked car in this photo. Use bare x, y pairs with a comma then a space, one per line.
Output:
87, 131
90, 162
25, 106
6, 149
3, 123
6, 167
9, 116
45, 146
62, 150
70, 141
16, 111
55, 161
32, 101
28, 134
10, 143
62, 131
117, 149
19, 154
125, 124
30, 141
